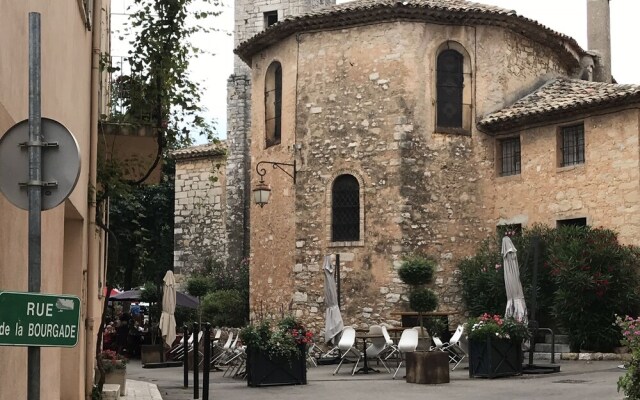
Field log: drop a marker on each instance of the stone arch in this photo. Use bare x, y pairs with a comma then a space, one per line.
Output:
273, 104
453, 88
330, 209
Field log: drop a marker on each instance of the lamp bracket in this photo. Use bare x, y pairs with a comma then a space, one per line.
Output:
276, 165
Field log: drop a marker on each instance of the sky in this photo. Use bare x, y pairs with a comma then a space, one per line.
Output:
565, 16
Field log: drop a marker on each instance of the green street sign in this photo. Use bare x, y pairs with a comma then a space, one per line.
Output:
35, 319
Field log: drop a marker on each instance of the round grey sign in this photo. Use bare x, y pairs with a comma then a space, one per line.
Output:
60, 164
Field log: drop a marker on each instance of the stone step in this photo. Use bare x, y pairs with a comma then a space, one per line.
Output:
539, 356
560, 339
110, 391
546, 348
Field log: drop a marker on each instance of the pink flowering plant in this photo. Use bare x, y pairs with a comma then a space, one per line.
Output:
110, 360
629, 383
494, 326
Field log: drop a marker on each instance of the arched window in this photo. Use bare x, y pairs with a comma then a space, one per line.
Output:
450, 86
273, 103
345, 209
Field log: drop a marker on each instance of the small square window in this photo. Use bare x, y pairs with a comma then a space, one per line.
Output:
572, 222
509, 156
572, 145
270, 18
509, 229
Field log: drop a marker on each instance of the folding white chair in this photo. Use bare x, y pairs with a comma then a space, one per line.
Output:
377, 346
454, 348
347, 345
224, 350
391, 347
408, 343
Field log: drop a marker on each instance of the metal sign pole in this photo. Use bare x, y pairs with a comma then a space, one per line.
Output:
34, 192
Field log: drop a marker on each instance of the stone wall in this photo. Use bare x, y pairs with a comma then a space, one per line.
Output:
364, 104
605, 189
200, 205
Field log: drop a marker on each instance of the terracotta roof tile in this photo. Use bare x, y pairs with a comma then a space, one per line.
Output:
557, 98
435, 11
205, 150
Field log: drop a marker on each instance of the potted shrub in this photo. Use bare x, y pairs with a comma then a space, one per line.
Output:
495, 346
276, 355
115, 369
423, 366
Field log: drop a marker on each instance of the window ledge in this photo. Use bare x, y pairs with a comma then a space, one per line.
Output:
454, 131
510, 177
359, 243
569, 167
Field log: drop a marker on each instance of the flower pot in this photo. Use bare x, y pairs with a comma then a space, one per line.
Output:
151, 353
117, 376
264, 371
428, 367
493, 358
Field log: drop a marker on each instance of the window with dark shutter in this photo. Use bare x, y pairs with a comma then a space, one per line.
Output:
273, 104
345, 209
450, 84
510, 156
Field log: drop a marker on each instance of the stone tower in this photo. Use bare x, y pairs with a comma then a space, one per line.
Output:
251, 17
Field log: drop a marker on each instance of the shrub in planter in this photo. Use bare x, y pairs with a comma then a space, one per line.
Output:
276, 355
417, 271
495, 346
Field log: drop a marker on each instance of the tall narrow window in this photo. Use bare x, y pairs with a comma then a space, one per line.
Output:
450, 84
572, 145
345, 209
270, 18
273, 103
510, 156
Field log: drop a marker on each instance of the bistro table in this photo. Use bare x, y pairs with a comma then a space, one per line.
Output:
364, 336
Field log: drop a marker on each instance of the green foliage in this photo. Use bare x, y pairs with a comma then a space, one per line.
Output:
585, 277
596, 278
423, 299
483, 281
282, 342
184, 315
199, 285
159, 88
416, 270
629, 383
221, 308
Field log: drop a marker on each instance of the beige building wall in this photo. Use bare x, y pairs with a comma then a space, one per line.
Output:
605, 189
70, 243
361, 100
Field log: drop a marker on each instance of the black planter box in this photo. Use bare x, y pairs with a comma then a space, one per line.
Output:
262, 371
493, 358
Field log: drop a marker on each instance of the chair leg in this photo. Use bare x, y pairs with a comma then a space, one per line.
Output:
397, 369
355, 367
339, 365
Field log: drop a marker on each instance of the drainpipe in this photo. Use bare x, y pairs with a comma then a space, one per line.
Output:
599, 38
93, 237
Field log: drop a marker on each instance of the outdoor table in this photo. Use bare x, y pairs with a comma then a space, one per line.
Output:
363, 337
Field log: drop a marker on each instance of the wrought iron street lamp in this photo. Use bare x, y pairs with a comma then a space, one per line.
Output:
262, 191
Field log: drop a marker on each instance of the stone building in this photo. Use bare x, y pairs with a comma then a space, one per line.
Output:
419, 127
200, 203
415, 127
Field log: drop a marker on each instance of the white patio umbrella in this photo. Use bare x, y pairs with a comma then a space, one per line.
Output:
333, 319
167, 319
516, 307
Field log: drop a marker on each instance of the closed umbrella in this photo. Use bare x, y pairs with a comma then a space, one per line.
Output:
167, 319
333, 319
516, 307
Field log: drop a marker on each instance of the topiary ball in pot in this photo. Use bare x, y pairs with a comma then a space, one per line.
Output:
416, 270
423, 300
